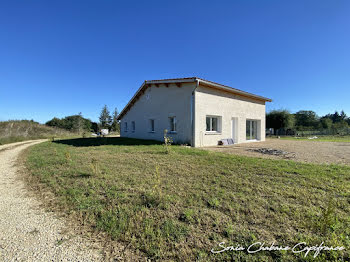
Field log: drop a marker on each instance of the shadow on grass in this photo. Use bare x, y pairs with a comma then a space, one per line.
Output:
103, 141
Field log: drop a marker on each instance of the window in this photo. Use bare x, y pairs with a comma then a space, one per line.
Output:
213, 124
172, 124
151, 121
251, 129
125, 126
133, 126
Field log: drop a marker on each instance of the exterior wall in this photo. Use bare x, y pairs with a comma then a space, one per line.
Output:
209, 101
160, 103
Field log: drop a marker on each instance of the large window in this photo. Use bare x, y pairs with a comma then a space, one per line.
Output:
172, 124
213, 124
252, 130
125, 126
133, 127
151, 123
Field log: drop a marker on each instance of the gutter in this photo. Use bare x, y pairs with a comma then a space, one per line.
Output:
193, 115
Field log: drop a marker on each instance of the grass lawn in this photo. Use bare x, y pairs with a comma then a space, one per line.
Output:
320, 138
179, 206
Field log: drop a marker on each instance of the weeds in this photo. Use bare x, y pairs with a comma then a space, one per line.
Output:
68, 157
154, 197
95, 168
167, 141
328, 218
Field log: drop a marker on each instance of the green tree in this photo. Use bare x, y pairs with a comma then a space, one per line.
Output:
115, 123
105, 118
56, 122
279, 119
76, 123
336, 117
305, 119
326, 122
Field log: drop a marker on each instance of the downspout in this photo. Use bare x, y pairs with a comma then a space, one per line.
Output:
193, 114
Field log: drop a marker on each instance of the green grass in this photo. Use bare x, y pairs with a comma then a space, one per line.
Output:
179, 206
321, 138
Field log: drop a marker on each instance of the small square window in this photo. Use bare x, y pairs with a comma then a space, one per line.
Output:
172, 124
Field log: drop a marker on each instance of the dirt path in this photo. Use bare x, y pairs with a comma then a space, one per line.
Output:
302, 151
27, 232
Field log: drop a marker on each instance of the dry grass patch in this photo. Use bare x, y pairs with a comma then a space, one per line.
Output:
22, 130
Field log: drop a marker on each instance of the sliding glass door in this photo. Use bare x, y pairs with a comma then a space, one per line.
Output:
252, 130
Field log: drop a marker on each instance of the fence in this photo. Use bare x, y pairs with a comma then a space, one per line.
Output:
323, 132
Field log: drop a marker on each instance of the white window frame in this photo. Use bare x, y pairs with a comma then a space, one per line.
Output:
125, 126
172, 123
152, 125
133, 126
211, 131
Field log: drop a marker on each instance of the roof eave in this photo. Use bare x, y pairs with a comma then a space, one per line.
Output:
130, 101
234, 90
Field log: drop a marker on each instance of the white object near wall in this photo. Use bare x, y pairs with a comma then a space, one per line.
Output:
104, 132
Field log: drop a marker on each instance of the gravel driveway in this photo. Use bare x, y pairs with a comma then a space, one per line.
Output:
27, 232
303, 151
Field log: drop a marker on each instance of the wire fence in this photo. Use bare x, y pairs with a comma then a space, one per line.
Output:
322, 132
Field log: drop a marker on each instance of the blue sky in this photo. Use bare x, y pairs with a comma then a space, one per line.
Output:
59, 58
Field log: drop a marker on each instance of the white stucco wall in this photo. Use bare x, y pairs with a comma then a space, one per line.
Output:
209, 101
160, 103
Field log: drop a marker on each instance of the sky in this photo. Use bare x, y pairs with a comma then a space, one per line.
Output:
59, 58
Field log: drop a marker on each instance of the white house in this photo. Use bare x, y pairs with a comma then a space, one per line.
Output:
195, 111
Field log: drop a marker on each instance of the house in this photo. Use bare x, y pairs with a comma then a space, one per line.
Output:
195, 111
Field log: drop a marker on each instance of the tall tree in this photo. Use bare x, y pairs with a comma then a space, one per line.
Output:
306, 119
343, 116
115, 122
105, 118
279, 119
326, 122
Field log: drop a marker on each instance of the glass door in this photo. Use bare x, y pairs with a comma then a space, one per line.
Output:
251, 130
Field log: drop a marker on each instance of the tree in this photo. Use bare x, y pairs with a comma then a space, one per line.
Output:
56, 122
76, 123
115, 123
279, 119
94, 127
326, 122
306, 120
348, 120
79, 122
336, 117
105, 118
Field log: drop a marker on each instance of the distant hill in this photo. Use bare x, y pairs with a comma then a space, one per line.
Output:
20, 130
